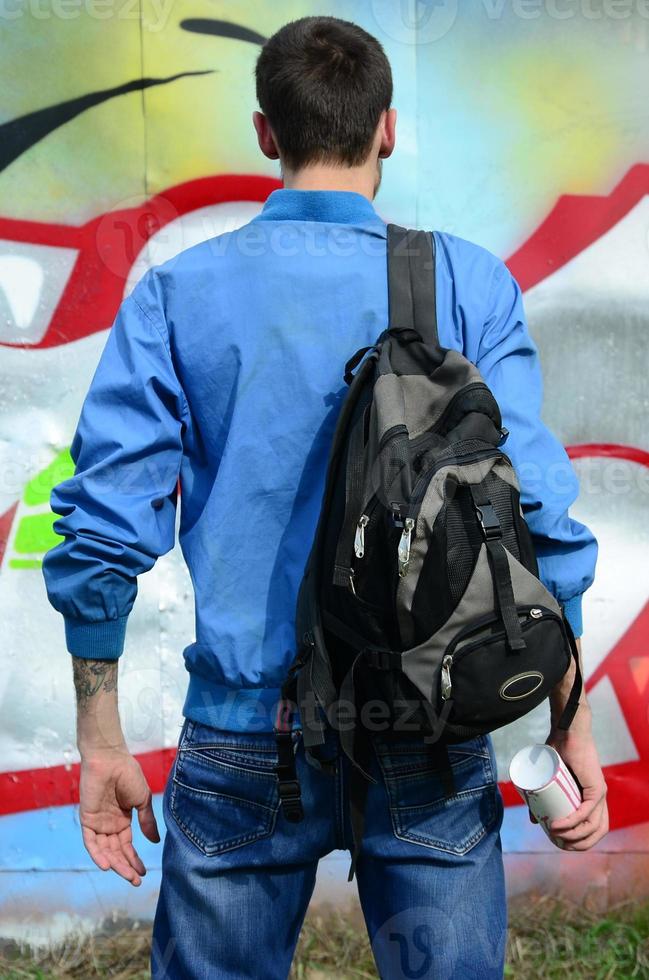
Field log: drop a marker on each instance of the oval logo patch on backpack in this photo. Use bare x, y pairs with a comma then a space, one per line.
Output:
519, 686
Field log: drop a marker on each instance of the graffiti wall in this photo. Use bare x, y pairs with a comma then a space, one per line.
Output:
125, 136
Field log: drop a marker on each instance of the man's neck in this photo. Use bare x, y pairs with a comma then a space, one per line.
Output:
361, 180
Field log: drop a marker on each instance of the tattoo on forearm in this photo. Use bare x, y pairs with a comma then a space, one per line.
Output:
93, 676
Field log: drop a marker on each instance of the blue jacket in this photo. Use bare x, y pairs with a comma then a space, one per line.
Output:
223, 370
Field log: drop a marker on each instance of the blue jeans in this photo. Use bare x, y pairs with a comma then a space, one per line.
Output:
237, 877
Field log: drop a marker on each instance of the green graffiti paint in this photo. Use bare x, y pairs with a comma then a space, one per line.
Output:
40, 486
35, 534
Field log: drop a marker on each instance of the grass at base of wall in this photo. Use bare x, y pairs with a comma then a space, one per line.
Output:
548, 939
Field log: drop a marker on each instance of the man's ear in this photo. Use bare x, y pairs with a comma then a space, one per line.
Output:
265, 136
388, 126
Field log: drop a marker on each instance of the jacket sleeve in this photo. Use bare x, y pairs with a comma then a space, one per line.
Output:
509, 363
117, 513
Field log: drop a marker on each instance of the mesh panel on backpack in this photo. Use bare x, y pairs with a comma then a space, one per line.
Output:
394, 464
456, 543
463, 533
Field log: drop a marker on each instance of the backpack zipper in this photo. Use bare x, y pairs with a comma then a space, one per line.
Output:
359, 539
471, 386
403, 550
532, 614
417, 495
364, 520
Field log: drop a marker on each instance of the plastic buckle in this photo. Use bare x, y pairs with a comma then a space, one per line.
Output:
290, 797
376, 659
380, 659
396, 516
489, 522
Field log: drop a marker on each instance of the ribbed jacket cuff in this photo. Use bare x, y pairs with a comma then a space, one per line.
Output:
572, 611
95, 641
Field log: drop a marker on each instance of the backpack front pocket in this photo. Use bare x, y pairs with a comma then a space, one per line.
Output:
487, 685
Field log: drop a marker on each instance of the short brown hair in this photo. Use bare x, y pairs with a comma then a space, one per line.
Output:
323, 84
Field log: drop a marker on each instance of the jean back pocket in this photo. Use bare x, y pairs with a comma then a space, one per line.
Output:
224, 788
420, 811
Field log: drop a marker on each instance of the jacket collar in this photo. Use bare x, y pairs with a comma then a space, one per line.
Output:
338, 207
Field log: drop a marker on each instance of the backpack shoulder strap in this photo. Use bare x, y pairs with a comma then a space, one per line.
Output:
411, 282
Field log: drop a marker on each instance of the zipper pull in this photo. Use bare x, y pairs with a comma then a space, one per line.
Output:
446, 676
404, 546
359, 540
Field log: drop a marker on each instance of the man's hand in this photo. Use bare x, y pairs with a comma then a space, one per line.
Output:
589, 823
112, 784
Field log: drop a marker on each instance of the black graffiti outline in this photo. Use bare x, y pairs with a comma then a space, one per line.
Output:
20, 134
221, 28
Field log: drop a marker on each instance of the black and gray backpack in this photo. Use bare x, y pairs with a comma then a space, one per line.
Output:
421, 591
